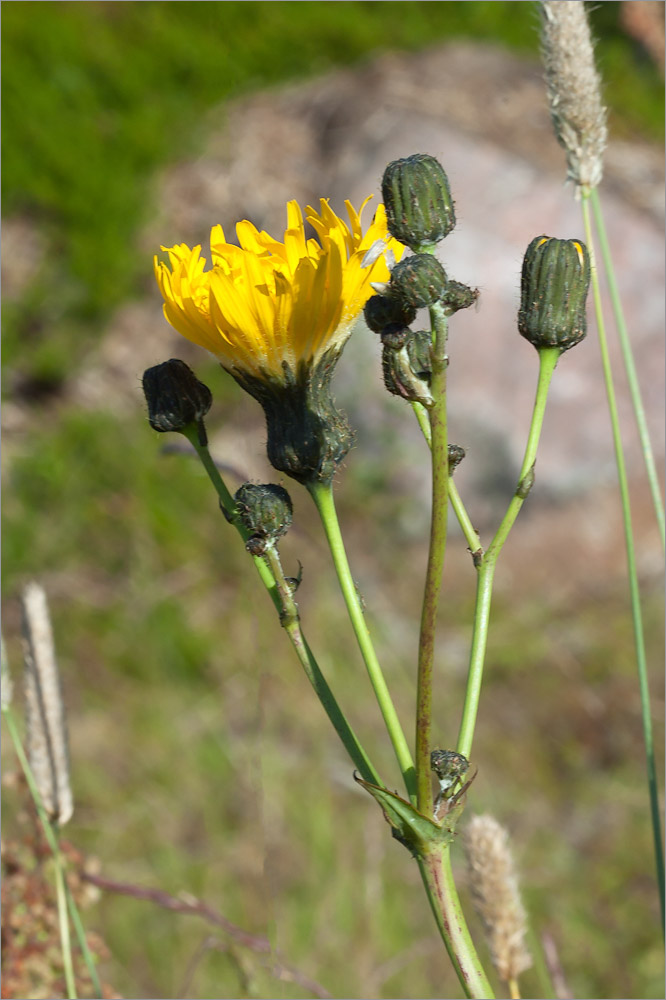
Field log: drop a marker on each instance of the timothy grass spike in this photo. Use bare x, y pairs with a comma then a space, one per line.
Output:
574, 90
46, 728
496, 896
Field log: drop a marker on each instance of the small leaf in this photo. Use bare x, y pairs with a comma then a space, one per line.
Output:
417, 832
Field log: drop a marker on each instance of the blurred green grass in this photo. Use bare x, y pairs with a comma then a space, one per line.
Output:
201, 762
96, 96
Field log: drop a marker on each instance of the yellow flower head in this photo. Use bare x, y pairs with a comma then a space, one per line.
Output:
267, 307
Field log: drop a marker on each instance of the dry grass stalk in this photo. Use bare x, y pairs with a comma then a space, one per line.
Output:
496, 896
46, 729
574, 89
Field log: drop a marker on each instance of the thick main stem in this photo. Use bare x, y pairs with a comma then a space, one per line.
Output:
322, 494
435, 868
435, 567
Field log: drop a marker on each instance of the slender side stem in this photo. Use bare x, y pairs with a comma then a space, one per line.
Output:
421, 415
548, 358
440, 888
632, 572
272, 576
322, 494
435, 567
227, 503
457, 505
477, 655
468, 529
630, 367
290, 621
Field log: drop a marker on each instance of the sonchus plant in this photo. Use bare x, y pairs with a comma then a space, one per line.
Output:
277, 315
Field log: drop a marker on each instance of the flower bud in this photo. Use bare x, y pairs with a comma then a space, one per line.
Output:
407, 370
458, 296
456, 455
419, 207
265, 511
175, 397
419, 280
555, 280
395, 336
387, 310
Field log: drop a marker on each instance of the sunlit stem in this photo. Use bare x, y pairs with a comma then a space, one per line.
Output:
632, 572
290, 621
485, 565
457, 505
435, 868
629, 364
270, 571
322, 494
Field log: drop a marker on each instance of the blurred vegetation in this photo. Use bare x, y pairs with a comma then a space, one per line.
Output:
201, 762
97, 96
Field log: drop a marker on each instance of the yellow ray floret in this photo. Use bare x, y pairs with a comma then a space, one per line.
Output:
265, 302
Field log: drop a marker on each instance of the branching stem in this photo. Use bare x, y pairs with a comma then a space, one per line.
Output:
270, 571
485, 565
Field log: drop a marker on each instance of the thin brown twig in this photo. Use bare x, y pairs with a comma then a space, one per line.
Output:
195, 907
552, 959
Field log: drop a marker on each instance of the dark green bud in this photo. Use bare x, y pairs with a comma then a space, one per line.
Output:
395, 336
456, 455
458, 296
176, 398
265, 511
554, 285
419, 207
419, 280
408, 370
387, 310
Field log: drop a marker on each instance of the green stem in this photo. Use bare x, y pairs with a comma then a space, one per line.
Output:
228, 505
61, 882
632, 572
270, 571
435, 868
65, 940
75, 917
322, 494
421, 415
435, 567
548, 358
290, 621
630, 367
469, 531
